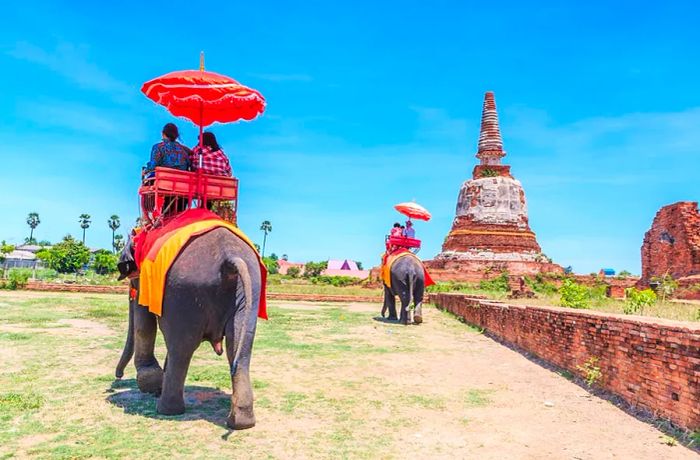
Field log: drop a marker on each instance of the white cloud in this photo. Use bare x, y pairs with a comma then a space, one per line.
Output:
116, 125
73, 63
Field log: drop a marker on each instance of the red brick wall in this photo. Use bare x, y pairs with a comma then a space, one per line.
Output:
651, 363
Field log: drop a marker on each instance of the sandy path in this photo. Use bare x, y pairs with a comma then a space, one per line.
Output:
518, 409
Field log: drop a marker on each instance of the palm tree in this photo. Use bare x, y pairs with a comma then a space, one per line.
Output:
118, 243
84, 220
33, 222
114, 224
266, 227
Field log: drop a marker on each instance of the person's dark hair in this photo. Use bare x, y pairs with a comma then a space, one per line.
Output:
171, 132
397, 225
209, 140
402, 227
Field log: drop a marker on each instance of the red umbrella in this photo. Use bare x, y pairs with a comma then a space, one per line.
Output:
204, 97
413, 210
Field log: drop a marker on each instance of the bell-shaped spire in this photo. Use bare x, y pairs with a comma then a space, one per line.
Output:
490, 142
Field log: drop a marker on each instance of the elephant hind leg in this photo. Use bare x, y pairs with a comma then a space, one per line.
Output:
172, 399
418, 313
389, 303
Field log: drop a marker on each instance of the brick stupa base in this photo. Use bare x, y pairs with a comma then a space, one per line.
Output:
490, 233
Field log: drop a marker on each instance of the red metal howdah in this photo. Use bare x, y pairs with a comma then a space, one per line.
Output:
171, 191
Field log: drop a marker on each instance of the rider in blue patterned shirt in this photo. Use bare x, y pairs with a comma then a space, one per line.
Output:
169, 153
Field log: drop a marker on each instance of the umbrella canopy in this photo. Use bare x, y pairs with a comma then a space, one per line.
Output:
413, 210
204, 97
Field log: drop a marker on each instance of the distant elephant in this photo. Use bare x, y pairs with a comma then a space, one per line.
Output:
408, 282
212, 291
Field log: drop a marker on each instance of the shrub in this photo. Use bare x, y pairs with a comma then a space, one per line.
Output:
498, 284
314, 269
293, 272
18, 277
573, 295
337, 281
46, 274
666, 286
68, 256
637, 300
105, 262
541, 286
591, 370
448, 286
272, 265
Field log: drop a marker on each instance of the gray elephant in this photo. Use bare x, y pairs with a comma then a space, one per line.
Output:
408, 282
212, 291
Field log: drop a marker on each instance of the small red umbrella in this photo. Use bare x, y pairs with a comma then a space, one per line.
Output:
413, 210
204, 97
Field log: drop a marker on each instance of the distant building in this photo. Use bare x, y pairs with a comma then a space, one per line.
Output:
20, 258
285, 265
345, 267
606, 272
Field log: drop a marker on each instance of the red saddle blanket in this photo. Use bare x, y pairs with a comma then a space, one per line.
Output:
156, 250
389, 259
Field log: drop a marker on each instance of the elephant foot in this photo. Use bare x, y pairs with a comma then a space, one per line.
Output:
241, 419
417, 319
150, 380
170, 406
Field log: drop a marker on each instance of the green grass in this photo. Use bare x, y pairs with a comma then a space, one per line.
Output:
15, 336
67, 404
478, 398
20, 401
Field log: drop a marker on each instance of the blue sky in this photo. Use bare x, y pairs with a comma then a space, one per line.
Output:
369, 104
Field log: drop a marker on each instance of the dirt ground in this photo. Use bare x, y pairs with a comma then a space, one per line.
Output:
331, 381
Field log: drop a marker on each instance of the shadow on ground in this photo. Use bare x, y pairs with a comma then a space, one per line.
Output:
201, 403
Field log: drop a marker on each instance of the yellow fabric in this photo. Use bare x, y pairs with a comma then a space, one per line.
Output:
386, 268
156, 264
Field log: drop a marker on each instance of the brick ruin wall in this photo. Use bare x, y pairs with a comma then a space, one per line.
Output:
672, 244
651, 363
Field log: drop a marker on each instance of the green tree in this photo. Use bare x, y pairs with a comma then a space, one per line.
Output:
84, 220
624, 274
636, 300
272, 265
273, 256
118, 243
68, 256
573, 295
114, 224
33, 221
104, 262
285, 257
293, 272
312, 269
359, 264
266, 228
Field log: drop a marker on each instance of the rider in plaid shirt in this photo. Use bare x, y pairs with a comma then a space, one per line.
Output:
214, 160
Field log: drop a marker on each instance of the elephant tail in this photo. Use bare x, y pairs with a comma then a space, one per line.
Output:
128, 351
244, 304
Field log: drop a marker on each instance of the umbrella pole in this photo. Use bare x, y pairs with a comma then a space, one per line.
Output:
202, 198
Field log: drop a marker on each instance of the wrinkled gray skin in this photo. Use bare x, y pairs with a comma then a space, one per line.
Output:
407, 282
212, 291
